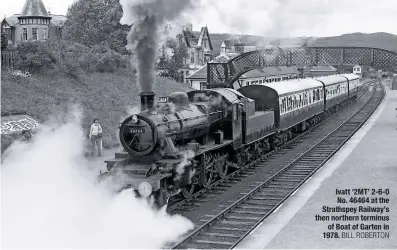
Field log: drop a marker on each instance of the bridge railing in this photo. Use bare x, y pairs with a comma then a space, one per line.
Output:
224, 74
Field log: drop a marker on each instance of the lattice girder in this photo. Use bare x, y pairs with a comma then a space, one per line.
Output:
224, 74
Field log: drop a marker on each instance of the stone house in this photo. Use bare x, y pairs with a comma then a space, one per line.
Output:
199, 49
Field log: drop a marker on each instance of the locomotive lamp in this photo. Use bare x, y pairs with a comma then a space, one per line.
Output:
147, 100
134, 119
145, 189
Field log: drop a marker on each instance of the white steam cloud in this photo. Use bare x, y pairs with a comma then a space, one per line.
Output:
50, 199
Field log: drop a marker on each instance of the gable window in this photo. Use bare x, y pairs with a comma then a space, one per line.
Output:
192, 57
203, 85
34, 33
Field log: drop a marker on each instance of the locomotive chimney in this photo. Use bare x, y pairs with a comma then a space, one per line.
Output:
147, 100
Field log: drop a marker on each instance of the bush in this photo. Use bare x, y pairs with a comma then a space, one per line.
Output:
34, 57
69, 57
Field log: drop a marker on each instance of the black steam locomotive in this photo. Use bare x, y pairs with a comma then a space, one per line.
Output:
192, 138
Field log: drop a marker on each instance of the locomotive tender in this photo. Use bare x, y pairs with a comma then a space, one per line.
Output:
173, 147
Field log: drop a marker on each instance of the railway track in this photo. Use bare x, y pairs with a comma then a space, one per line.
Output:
179, 206
227, 226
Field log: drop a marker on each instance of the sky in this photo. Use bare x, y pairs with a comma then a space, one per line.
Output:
273, 18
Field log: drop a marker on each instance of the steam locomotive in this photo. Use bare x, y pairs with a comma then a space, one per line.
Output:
193, 138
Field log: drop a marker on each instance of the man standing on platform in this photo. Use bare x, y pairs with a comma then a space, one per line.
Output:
96, 137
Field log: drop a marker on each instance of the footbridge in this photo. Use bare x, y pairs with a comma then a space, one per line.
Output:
224, 74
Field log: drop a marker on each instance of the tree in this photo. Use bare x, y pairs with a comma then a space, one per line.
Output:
4, 41
92, 22
173, 56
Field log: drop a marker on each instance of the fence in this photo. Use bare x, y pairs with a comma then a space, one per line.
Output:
8, 59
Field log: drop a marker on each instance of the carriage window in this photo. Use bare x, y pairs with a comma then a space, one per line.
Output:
296, 101
300, 100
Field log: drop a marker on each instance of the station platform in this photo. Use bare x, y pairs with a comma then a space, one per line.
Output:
367, 162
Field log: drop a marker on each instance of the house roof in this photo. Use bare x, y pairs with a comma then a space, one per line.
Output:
189, 37
34, 8
323, 68
199, 74
57, 20
204, 32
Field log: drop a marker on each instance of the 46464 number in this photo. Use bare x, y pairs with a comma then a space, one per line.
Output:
359, 200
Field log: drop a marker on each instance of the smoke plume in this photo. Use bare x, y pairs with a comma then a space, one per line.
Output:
148, 17
51, 199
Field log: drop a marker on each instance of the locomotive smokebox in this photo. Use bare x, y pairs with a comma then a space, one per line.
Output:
147, 100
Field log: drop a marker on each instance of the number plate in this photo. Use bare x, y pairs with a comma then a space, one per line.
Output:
137, 130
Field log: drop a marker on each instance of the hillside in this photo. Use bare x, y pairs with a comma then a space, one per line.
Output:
376, 40
106, 96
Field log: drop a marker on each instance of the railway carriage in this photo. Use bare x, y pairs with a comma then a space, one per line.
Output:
293, 101
354, 84
335, 90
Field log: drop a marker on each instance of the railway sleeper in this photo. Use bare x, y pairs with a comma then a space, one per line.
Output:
230, 229
289, 187
238, 217
307, 163
278, 182
289, 179
260, 207
249, 211
264, 201
294, 175
307, 168
235, 222
229, 235
213, 243
303, 168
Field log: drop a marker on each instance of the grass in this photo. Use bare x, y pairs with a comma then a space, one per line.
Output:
106, 96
